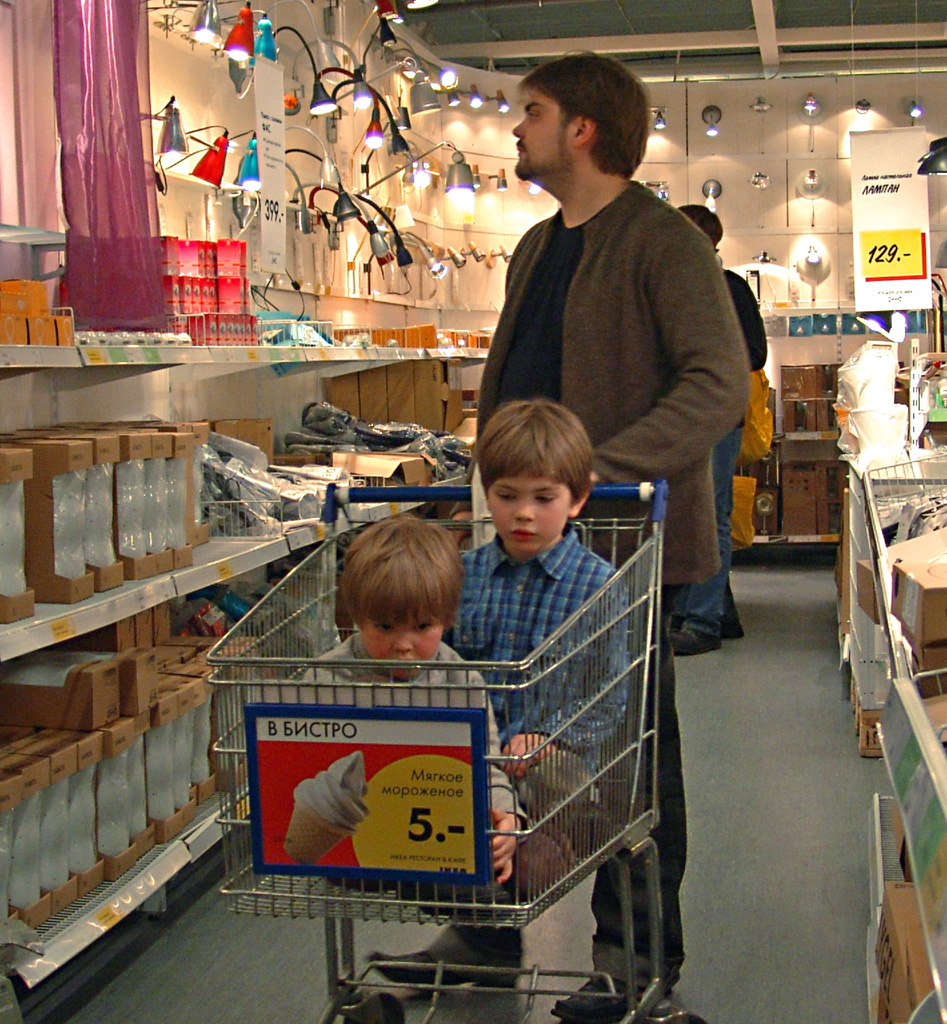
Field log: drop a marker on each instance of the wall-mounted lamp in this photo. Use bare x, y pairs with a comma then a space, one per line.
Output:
476, 100
434, 265
476, 178
812, 186
374, 134
659, 123
172, 139
502, 185
239, 44
812, 263
453, 98
248, 175
502, 104
711, 115
934, 161
459, 175
447, 77
502, 251
764, 257
386, 34
422, 97
711, 189
760, 106
205, 26
862, 106
759, 180
264, 44
210, 167
811, 107
478, 254
915, 110
457, 258
811, 113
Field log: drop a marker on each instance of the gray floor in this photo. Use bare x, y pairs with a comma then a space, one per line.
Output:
776, 895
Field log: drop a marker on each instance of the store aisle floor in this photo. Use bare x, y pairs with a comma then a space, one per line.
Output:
776, 895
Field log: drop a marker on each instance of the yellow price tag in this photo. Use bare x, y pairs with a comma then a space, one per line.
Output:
252, 355
320, 532
393, 507
63, 629
894, 254
108, 917
95, 357
224, 571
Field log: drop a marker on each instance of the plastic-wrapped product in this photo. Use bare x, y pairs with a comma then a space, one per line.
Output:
159, 771
200, 762
12, 543
24, 865
197, 477
130, 507
69, 524
97, 538
177, 471
54, 835
156, 505
183, 729
111, 800
82, 854
137, 796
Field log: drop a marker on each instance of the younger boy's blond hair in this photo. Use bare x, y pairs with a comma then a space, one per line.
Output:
536, 437
402, 570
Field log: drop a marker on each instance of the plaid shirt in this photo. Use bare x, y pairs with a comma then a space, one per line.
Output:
508, 608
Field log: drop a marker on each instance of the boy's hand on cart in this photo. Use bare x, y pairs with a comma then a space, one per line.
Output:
503, 846
521, 745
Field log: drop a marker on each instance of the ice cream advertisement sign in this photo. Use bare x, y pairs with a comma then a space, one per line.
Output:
386, 793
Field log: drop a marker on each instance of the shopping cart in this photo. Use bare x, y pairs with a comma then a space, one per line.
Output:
590, 689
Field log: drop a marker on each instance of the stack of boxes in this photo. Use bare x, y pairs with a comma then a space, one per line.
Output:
77, 801
26, 318
205, 284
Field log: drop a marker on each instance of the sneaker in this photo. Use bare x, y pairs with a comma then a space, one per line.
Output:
687, 641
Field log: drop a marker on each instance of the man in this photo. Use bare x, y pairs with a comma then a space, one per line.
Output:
617, 308
705, 613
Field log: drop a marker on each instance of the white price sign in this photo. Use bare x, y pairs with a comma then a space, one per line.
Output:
271, 144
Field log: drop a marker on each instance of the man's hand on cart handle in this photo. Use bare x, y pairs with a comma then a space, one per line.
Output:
503, 846
521, 745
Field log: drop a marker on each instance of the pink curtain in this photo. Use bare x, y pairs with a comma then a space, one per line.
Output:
113, 257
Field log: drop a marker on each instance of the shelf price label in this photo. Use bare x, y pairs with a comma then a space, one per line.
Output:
894, 254
419, 774
224, 571
63, 629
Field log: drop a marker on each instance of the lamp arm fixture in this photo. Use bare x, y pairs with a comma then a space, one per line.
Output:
413, 160
399, 240
299, 35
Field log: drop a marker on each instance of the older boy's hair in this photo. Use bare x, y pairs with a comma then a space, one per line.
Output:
605, 91
402, 570
539, 438
705, 219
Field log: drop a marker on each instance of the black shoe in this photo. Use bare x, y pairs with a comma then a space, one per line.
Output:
730, 629
687, 641
420, 969
594, 1004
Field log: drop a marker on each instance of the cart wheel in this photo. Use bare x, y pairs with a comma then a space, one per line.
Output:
667, 1012
378, 1008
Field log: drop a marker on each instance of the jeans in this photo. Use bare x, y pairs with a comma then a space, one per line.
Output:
670, 837
700, 606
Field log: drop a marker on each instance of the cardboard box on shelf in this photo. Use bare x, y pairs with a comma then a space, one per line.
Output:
116, 637
88, 699
410, 470
901, 955
865, 590
920, 601
166, 829
88, 880
13, 328
138, 680
57, 747
33, 292
16, 465
373, 395
117, 736
258, 432
36, 913
42, 330
34, 771
115, 867
11, 790
62, 896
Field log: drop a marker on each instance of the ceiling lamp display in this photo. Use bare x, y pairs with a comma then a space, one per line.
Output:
711, 115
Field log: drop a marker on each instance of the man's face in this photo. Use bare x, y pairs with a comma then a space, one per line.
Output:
541, 140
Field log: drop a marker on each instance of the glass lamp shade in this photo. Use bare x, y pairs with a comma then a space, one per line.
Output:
239, 45
172, 140
934, 160
422, 98
248, 176
265, 44
321, 102
205, 26
210, 167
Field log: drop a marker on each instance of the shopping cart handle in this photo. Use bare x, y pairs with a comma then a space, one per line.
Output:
342, 494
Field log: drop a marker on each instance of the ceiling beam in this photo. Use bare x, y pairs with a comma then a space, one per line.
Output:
765, 20
683, 41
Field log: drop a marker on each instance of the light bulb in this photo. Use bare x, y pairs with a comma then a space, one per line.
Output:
502, 104
448, 78
916, 109
476, 100
712, 130
813, 256
659, 123
811, 106
422, 176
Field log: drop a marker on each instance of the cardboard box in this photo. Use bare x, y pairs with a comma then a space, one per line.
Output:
117, 637
203, 791
34, 771
13, 328
33, 292
919, 595
401, 392
161, 623
57, 747
65, 330
42, 330
115, 867
466, 430
258, 432
438, 406
411, 470
88, 880
168, 828
865, 589
373, 395
807, 414
342, 392
901, 955
35, 914
88, 699
799, 494
63, 895
117, 736
11, 790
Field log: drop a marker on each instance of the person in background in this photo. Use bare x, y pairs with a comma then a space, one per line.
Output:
615, 307
705, 613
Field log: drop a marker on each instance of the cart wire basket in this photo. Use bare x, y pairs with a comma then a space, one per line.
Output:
586, 791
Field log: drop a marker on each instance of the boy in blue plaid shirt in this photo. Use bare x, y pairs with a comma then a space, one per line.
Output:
535, 462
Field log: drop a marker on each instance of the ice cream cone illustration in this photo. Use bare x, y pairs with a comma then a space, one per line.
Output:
327, 809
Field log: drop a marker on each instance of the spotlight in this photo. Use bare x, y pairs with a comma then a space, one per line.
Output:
362, 98
502, 104
711, 189
374, 136
248, 176
205, 28
265, 44
457, 258
711, 115
916, 110
501, 180
659, 122
447, 78
476, 100
862, 106
811, 107
453, 98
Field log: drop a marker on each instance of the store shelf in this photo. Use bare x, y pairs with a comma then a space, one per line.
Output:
814, 538
215, 562
38, 357
86, 920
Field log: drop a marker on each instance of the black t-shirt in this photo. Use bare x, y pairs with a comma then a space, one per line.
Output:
748, 310
533, 366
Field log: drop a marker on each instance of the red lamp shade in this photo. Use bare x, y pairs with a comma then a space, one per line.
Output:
239, 45
386, 9
210, 167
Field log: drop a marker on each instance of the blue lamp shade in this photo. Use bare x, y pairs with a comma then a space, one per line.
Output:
248, 176
265, 43
934, 161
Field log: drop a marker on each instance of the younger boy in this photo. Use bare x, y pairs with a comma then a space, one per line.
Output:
401, 585
535, 461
